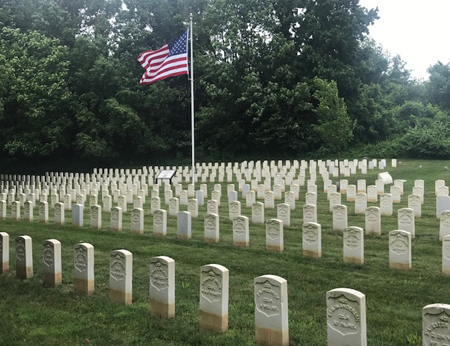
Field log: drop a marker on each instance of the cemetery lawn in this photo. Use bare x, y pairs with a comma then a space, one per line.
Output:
34, 315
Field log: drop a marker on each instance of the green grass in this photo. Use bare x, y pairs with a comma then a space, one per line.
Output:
34, 315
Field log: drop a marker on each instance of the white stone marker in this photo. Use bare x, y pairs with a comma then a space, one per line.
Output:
271, 310
77, 215
361, 186
274, 235
309, 213
155, 204
414, 202
284, 214
168, 195
3, 205
115, 223
137, 221
162, 287
67, 202
211, 231
96, 216
442, 191
83, 262
52, 263
4, 252
28, 211
15, 210
373, 221
240, 231
121, 277
193, 207
340, 217
289, 198
406, 220
59, 213
435, 325
214, 292
354, 245
312, 240
442, 203
234, 210
346, 317
400, 249
212, 207
444, 224
43, 212
184, 225
386, 208
396, 194
258, 213
107, 203
335, 199
360, 203
250, 199
269, 202
174, 206
446, 255
372, 194
311, 198
160, 222
351, 193
24, 257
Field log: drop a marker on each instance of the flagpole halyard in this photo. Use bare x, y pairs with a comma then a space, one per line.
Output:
192, 101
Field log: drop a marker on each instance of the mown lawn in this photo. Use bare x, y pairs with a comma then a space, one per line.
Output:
34, 315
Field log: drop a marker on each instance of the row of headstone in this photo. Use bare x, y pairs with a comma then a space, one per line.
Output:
133, 185
203, 170
346, 308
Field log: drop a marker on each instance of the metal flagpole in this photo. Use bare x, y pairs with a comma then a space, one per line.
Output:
192, 101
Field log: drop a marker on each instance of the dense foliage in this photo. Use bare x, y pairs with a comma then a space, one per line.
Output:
69, 82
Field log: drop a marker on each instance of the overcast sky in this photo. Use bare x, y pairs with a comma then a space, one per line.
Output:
418, 31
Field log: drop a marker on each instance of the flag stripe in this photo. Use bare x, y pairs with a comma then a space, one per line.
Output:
145, 81
168, 64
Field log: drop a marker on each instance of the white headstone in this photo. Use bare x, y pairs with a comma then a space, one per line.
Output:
346, 317
271, 310
373, 221
121, 277
52, 267
24, 257
309, 213
312, 240
4, 252
184, 230
211, 228
258, 213
340, 217
400, 249
160, 222
214, 288
162, 287
240, 231
83, 259
274, 235
406, 220
354, 245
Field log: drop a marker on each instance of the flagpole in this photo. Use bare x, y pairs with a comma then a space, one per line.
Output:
192, 101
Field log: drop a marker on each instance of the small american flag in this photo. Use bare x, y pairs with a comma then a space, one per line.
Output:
168, 61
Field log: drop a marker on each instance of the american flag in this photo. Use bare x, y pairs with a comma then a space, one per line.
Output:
168, 61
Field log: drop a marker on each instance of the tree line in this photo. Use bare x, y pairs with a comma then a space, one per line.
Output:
269, 77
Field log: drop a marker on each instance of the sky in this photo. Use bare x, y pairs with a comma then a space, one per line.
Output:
418, 31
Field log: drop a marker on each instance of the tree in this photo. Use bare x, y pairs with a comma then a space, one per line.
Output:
439, 85
334, 126
36, 100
